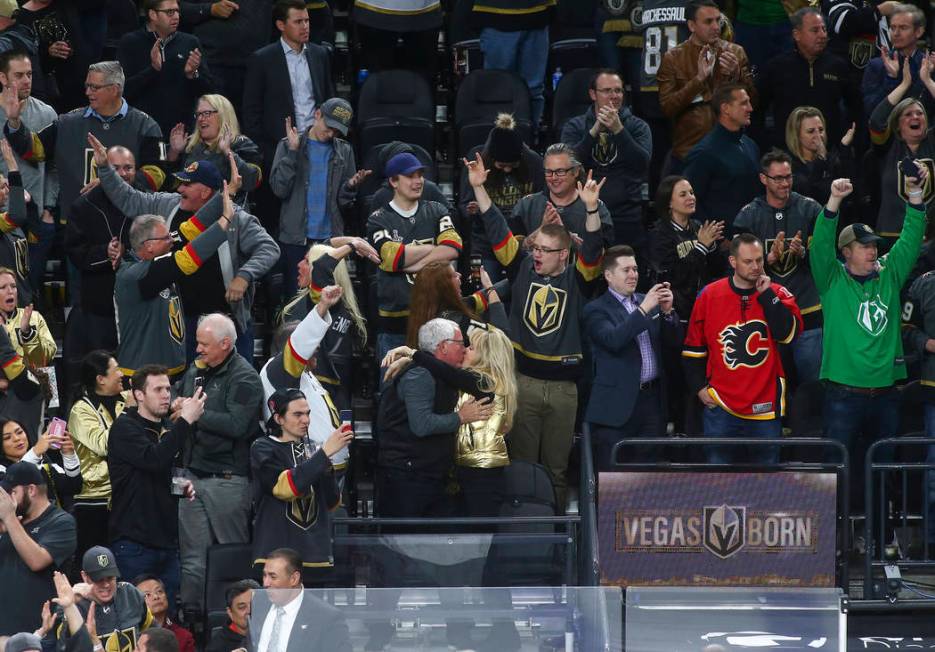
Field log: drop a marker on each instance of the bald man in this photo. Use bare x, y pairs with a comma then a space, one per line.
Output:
96, 236
220, 454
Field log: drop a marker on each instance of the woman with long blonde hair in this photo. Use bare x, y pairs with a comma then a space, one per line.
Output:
217, 132
814, 165
488, 373
324, 265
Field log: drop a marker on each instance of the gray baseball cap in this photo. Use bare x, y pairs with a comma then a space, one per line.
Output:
337, 114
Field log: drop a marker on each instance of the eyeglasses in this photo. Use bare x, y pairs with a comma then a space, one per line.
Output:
610, 91
783, 179
461, 342
205, 114
558, 172
542, 250
96, 87
168, 12
165, 238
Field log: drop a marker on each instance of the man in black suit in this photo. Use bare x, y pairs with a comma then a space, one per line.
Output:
626, 331
288, 619
289, 69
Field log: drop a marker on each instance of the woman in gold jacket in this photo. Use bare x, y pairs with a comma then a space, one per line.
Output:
488, 372
101, 402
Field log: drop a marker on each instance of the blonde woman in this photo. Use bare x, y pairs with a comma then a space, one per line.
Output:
323, 266
488, 372
813, 165
217, 132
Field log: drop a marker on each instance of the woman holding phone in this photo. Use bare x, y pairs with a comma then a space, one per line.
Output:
53, 454
101, 401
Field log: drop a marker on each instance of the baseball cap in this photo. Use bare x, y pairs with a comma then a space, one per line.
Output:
403, 163
7, 7
857, 233
337, 114
204, 172
22, 642
22, 473
99, 562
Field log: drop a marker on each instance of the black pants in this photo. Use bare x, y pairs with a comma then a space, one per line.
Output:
647, 420
403, 494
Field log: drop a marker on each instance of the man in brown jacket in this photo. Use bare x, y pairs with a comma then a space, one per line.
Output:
691, 71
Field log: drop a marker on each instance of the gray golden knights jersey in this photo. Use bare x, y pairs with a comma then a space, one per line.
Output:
663, 25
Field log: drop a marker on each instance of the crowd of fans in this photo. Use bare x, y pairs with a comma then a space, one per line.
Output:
785, 253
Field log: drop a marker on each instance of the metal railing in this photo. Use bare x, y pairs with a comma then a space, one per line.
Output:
589, 565
878, 517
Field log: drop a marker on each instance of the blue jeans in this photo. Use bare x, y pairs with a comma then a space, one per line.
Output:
721, 423
857, 420
525, 53
763, 42
806, 351
134, 559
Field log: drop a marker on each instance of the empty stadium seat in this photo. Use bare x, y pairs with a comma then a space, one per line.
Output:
481, 96
395, 105
571, 99
464, 40
227, 563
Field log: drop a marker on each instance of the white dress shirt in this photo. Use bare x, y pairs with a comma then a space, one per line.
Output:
288, 621
303, 94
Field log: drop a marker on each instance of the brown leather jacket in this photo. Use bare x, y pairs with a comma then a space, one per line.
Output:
685, 100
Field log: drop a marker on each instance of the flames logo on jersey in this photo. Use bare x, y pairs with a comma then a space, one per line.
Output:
744, 345
545, 308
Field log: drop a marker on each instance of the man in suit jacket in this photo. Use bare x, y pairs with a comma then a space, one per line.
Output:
289, 620
289, 68
626, 331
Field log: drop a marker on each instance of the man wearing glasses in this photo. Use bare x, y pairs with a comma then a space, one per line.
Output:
560, 203
165, 68
549, 289
613, 143
150, 319
108, 117
783, 220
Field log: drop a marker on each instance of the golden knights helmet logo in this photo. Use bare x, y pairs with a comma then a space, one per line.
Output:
725, 530
123, 640
744, 345
545, 308
176, 322
788, 261
928, 190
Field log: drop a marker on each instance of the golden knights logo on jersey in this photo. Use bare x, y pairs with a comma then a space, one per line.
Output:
303, 511
744, 345
928, 190
176, 322
545, 308
120, 641
788, 261
604, 151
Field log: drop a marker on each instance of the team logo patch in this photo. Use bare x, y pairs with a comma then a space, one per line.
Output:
121, 641
860, 52
744, 345
872, 316
102, 561
788, 262
725, 530
928, 190
545, 308
176, 323
604, 151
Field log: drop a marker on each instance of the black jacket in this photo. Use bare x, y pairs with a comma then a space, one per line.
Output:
167, 94
225, 639
399, 448
267, 96
140, 461
789, 81
229, 41
92, 221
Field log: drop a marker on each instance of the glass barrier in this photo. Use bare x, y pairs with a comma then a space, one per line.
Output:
537, 619
455, 552
714, 619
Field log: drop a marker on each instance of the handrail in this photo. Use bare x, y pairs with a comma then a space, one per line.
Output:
869, 467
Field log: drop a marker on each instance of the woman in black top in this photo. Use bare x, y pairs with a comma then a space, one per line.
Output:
61, 467
813, 166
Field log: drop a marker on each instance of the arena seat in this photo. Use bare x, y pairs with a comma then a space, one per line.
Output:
395, 105
571, 99
227, 563
481, 96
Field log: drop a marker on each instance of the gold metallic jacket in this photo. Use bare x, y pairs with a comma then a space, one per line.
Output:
39, 349
481, 444
89, 427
